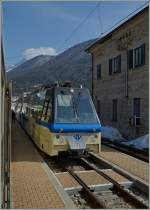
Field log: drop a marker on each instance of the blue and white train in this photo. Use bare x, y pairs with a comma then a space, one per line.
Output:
63, 119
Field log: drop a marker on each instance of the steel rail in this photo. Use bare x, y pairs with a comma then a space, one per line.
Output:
96, 202
126, 195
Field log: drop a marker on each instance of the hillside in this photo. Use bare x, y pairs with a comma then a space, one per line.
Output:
73, 64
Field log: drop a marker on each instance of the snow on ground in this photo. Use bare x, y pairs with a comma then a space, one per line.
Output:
111, 133
139, 143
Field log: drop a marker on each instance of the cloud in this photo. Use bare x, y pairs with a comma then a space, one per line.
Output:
33, 52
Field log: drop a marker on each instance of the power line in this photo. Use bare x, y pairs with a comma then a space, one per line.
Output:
74, 30
98, 4
117, 23
79, 25
100, 23
100, 18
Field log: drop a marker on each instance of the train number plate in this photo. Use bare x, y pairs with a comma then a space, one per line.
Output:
76, 145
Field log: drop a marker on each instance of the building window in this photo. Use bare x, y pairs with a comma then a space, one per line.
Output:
114, 110
115, 65
136, 110
136, 57
130, 59
98, 107
98, 71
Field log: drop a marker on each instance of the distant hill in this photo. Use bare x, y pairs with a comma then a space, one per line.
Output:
73, 64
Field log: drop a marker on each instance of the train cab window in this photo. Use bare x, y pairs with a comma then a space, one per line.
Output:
74, 107
65, 108
85, 109
64, 100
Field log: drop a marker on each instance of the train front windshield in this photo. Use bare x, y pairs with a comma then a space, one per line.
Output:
74, 106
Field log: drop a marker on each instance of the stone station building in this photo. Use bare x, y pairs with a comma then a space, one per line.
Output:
120, 76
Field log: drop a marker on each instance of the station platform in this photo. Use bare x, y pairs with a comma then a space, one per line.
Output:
130, 164
32, 182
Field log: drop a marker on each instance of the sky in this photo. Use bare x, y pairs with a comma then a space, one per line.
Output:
33, 28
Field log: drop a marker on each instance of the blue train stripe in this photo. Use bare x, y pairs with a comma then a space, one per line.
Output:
68, 128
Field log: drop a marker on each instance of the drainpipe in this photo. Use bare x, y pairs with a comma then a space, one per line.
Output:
126, 75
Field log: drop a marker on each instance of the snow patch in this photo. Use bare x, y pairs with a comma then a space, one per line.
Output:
111, 133
139, 143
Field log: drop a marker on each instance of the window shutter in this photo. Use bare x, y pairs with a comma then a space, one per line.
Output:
114, 110
143, 54
119, 63
136, 107
110, 66
130, 59
98, 71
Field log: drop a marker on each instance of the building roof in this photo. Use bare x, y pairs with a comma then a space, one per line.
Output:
109, 35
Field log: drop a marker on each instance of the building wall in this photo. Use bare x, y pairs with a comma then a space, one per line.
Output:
114, 86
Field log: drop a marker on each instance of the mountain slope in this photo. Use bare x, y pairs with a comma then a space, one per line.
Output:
73, 64
28, 66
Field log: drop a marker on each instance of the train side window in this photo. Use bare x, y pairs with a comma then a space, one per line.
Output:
32, 112
47, 106
45, 109
49, 112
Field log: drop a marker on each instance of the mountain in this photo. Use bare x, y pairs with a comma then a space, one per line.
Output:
73, 64
10, 67
28, 66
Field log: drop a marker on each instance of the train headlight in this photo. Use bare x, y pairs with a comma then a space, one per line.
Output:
57, 136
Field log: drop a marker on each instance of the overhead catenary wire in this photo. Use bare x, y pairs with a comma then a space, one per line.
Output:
74, 30
100, 23
93, 10
99, 13
118, 22
78, 26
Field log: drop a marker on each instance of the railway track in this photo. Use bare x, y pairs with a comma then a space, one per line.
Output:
116, 196
129, 198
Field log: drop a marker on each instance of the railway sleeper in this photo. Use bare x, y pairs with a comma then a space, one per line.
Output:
118, 188
96, 202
